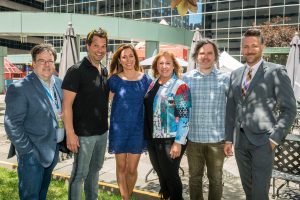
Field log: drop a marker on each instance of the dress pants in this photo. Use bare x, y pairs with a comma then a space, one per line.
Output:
255, 165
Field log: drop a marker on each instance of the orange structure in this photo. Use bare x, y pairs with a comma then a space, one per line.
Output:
178, 51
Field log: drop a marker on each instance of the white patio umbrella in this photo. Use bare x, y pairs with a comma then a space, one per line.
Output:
293, 65
70, 52
196, 38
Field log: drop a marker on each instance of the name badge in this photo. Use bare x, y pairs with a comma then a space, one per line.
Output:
60, 120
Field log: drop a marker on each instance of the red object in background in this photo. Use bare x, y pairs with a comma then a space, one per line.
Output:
11, 71
178, 51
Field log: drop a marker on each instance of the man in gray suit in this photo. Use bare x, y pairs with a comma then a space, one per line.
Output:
260, 109
33, 123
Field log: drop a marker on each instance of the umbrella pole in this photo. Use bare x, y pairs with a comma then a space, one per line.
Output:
3, 53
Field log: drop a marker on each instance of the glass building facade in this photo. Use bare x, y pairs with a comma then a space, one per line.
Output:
226, 21
222, 20
16, 46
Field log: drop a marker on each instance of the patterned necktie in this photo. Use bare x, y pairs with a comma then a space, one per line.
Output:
246, 83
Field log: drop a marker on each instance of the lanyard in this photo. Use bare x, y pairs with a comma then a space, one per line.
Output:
55, 100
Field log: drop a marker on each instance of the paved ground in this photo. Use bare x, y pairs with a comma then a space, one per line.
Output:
145, 189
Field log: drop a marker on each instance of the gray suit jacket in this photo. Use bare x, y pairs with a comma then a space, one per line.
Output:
30, 121
269, 89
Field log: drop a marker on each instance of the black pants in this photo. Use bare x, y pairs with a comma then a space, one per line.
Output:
166, 167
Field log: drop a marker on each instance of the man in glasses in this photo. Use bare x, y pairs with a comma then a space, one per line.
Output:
85, 116
34, 125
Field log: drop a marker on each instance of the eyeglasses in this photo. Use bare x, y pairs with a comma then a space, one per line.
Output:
44, 62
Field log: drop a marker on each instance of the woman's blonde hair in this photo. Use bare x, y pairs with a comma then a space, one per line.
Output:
177, 68
115, 65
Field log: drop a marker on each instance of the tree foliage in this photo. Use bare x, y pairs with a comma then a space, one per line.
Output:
276, 33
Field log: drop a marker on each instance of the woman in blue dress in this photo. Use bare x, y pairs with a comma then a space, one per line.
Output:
128, 86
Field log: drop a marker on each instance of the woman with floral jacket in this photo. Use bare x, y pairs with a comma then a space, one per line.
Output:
167, 104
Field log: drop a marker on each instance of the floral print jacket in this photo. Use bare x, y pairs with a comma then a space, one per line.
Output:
171, 108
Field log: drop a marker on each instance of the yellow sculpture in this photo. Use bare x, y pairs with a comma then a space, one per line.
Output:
184, 5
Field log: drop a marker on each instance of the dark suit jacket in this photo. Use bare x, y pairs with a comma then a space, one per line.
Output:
270, 88
30, 121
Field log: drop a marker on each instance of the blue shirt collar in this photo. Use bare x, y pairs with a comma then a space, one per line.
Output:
213, 72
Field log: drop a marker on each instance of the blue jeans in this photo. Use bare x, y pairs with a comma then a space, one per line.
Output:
34, 179
87, 164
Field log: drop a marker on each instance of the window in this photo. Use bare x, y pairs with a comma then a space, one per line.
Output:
249, 3
262, 15
70, 8
48, 3
63, 2
156, 20
277, 11
262, 3
110, 6
223, 19
237, 4
146, 4
93, 8
128, 5
128, 15
136, 4
146, 13
174, 12
185, 21
101, 7
288, 2
235, 19
223, 5
156, 12
292, 12
56, 9
63, 9
166, 12
56, 3
85, 8
118, 5
235, 32
78, 8
234, 47
165, 3
177, 21
210, 21
121, 15
136, 14
222, 33
156, 3
222, 44
248, 18
208, 33
277, 2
